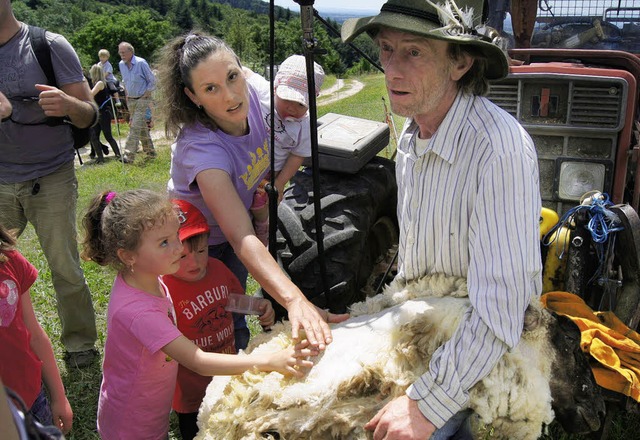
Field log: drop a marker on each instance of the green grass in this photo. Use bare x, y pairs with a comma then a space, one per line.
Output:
329, 81
83, 385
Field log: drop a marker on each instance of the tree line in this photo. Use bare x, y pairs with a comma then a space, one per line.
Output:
148, 24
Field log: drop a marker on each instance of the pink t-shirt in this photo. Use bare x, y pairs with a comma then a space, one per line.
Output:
138, 379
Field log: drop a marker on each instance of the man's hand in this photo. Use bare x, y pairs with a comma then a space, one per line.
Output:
53, 101
5, 107
400, 419
71, 100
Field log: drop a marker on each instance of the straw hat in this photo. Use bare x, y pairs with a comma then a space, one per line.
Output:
458, 24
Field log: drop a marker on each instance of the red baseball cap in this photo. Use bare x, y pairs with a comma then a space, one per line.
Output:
192, 222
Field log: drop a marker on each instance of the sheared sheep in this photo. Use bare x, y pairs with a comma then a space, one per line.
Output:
383, 348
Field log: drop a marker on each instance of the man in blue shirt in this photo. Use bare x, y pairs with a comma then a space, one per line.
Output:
139, 83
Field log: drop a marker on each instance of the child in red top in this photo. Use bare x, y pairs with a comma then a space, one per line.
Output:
26, 356
199, 291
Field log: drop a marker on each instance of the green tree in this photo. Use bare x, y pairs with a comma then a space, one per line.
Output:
183, 17
145, 31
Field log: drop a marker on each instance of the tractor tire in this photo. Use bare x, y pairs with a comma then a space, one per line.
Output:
359, 226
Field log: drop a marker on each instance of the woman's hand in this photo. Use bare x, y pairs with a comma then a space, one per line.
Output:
293, 360
313, 320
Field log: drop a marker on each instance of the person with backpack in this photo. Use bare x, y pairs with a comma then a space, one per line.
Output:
37, 175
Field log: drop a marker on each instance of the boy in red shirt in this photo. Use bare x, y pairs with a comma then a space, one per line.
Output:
200, 290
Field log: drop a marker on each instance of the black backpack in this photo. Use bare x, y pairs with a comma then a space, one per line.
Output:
42, 51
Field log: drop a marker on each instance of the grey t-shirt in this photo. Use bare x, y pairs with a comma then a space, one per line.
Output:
30, 151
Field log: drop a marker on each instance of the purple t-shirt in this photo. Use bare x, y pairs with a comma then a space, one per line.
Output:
244, 158
138, 379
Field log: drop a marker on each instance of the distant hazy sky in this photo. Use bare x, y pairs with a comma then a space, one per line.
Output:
369, 5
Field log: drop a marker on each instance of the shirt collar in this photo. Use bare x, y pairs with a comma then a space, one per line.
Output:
444, 141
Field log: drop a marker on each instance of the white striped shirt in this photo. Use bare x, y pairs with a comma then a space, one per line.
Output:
469, 206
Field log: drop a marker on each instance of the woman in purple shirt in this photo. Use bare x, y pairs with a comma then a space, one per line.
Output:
218, 160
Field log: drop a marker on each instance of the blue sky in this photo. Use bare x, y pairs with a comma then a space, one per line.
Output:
368, 5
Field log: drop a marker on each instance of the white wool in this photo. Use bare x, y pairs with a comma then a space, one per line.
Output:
373, 358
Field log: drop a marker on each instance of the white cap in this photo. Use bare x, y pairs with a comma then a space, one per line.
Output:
291, 80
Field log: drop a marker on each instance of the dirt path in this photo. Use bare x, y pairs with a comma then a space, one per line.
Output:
340, 90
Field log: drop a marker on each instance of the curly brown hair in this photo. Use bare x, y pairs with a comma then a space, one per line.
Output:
117, 221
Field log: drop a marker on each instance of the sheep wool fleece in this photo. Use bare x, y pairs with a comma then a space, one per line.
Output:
374, 357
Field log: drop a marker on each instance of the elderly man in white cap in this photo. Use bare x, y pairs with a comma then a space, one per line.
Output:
468, 199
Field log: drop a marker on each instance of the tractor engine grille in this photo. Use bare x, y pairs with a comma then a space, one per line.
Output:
574, 121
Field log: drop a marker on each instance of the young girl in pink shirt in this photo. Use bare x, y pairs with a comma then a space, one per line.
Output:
136, 232
27, 362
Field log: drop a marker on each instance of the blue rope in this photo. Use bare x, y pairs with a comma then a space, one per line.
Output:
602, 221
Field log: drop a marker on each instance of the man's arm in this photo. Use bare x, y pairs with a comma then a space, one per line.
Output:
150, 78
71, 100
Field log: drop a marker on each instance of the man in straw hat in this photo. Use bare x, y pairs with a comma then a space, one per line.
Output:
468, 199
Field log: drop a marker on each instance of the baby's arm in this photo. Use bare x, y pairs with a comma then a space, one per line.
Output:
287, 361
290, 168
41, 346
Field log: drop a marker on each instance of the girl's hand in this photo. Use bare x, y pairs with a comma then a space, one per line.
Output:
62, 415
293, 360
268, 315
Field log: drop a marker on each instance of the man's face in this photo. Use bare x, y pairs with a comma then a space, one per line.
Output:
417, 72
125, 53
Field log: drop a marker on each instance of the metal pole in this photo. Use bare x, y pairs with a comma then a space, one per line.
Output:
309, 45
270, 188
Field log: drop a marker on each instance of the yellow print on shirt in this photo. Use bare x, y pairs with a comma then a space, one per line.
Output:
259, 164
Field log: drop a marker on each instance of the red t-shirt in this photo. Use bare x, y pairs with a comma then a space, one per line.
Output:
20, 368
202, 318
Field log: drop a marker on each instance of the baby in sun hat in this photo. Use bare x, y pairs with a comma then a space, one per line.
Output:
292, 136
